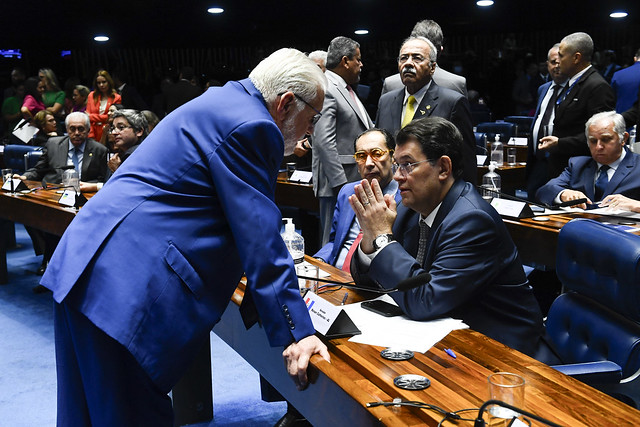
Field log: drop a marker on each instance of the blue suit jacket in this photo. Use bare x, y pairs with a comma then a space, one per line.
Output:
342, 219
580, 176
626, 83
437, 102
476, 273
155, 256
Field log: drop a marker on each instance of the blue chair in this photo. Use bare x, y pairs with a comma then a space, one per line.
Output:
505, 129
593, 328
481, 142
524, 124
21, 157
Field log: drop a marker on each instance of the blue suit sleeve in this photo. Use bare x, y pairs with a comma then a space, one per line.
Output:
244, 171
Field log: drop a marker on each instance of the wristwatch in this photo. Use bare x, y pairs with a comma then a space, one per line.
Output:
380, 241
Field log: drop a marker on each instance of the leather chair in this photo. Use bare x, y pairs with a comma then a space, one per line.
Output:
524, 124
481, 142
593, 329
505, 129
21, 157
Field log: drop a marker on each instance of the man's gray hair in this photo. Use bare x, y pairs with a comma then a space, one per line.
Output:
617, 119
580, 42
320, 55
77, 115
556, 47
288, 70
339, 47
430, 30
433, 53
136, 119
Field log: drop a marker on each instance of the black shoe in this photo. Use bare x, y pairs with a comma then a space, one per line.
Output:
292, 418
40, 289
43, 267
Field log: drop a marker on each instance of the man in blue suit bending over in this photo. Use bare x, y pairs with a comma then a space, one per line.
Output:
149, 264
609, 173
445, 228
373, 154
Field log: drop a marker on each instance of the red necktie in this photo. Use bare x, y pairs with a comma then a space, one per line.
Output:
354, 247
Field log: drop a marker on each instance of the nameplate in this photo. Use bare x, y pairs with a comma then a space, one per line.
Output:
72, 199
519, 141
481, 159
303, 177
13, 185
512, 208
329, 320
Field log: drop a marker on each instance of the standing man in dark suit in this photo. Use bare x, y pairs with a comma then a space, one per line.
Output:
585, 94
431, 31
343, 118
445, 228
422, 97
537, 174
626, 84
149, 264
611, 169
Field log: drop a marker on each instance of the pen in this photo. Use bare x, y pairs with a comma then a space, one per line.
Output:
344, 298
450, 352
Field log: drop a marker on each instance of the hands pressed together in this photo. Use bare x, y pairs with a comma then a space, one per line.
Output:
375, 211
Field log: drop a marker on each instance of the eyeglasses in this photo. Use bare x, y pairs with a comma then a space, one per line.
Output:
316, 117
406, 168
114, 129
376, 154
417, 58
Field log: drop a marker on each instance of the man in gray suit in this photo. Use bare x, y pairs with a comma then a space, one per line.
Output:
422, 97
343, 118
430, 30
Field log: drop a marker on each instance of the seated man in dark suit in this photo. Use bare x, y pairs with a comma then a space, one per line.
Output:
445, 228
611, 169
373, 153
87, 156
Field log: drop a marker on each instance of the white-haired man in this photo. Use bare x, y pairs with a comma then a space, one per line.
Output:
150, 263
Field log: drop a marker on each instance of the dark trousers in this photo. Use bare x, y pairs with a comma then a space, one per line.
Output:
99, 381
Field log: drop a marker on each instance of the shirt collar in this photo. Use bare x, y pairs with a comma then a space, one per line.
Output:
432, 216
614, 165
418, 95
575, 78
81, 147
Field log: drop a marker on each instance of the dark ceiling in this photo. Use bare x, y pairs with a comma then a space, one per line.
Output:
68, 24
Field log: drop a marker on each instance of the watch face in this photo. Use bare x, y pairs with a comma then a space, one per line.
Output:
381, 240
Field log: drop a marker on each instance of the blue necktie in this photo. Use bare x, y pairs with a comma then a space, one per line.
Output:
601, 182
74, 159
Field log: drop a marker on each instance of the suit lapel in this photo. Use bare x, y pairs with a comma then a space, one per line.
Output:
349, 100
624, 168
574, 92
429, 102
588, 179
396, 110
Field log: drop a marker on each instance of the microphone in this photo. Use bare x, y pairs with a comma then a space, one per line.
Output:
479, 422
541, 205
404, 285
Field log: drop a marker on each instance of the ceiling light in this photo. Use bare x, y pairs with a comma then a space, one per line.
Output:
618, 14
361, 32
215, 10
484, 3
101, 38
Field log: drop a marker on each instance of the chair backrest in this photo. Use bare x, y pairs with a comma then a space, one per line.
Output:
602, 263
481, 142
505, 129
581, 330
524, 123
16, 157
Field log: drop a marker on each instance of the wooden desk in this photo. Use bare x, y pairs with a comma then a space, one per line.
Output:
537, 240
295, 194
357, 375
521, 151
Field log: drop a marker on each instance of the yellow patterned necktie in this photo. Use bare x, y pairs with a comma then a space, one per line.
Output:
410, 111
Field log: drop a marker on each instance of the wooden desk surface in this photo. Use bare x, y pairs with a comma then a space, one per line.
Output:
537, 240
358, 374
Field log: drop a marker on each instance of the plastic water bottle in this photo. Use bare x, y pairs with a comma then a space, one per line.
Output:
491, 184
497, 151
293, 240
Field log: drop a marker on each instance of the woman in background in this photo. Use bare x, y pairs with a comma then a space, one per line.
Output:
33, 89
99, 101
46, 124
79, 98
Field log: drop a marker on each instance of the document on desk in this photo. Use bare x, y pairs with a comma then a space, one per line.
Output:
615, 212
399, 331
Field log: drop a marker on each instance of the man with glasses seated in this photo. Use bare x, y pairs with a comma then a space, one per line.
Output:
129, 128
373, 154
445, 228
422, 97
